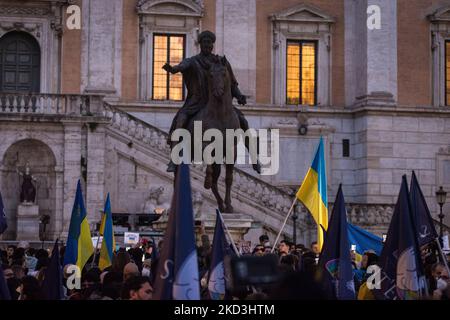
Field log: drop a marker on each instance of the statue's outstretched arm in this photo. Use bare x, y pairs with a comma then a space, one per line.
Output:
183, 66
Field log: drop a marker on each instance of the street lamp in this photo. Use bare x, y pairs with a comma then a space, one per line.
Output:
440, 197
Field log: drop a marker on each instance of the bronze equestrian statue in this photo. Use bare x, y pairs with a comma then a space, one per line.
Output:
195, 76
211, 87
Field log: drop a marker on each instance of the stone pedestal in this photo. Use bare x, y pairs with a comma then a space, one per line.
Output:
237, 224
28, 222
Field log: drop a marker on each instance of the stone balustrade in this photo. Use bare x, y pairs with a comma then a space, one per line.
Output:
46, 103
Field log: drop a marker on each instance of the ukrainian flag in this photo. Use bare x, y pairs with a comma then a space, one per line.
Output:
313, 192
363, 241
79, 242
107, 232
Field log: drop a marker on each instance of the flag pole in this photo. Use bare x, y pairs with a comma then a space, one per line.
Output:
96, 245
284, 224
228, 233
232, 242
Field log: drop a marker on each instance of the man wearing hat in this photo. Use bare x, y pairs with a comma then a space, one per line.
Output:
194, 70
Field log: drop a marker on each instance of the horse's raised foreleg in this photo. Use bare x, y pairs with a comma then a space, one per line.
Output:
208, 177
216, 175
228, 183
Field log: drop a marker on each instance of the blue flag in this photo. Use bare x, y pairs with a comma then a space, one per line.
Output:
335, 261
216, 281
364, 240
52, 286
4, 291
400, 257
3, 224
177, 274
421, 214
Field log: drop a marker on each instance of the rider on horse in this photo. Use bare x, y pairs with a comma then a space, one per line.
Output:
195, 71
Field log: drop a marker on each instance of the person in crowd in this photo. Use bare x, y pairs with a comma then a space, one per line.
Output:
18, 257
18, 270
111, 286
289, 262
90, 284
442, 291
40, 275
136, 255
369, 258
283, 248
120, 259
137, 288
316, 250
258, 250
10, 252
309, 265
130, 270
12, 282
437, 269
267, 248
264, 240
30, 289
147, 268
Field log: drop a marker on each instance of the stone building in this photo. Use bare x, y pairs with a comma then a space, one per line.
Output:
92, 102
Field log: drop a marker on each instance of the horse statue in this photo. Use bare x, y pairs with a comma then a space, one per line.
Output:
218, 114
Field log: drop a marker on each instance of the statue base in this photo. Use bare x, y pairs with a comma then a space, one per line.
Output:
28, 222
237, 224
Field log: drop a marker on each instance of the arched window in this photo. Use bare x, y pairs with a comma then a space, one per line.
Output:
20, 58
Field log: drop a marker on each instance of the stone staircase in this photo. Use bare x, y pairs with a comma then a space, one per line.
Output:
265, 203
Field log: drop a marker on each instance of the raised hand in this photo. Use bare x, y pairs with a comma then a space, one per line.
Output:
168, 68
242, 100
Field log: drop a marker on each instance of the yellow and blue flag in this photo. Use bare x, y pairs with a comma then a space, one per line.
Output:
363, 241
79, 246
107, 232
313, 192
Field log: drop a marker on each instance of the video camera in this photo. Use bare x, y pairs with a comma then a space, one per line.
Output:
257, 271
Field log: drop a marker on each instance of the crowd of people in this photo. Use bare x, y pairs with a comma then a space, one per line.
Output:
132, 273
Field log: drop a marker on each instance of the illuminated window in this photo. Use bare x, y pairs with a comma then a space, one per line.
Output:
447, 73
167, 48
301, 72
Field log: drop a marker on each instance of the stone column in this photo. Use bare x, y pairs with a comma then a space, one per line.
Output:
72, 170
371, 54
101, 52
59, 204
236, 38
95, 171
